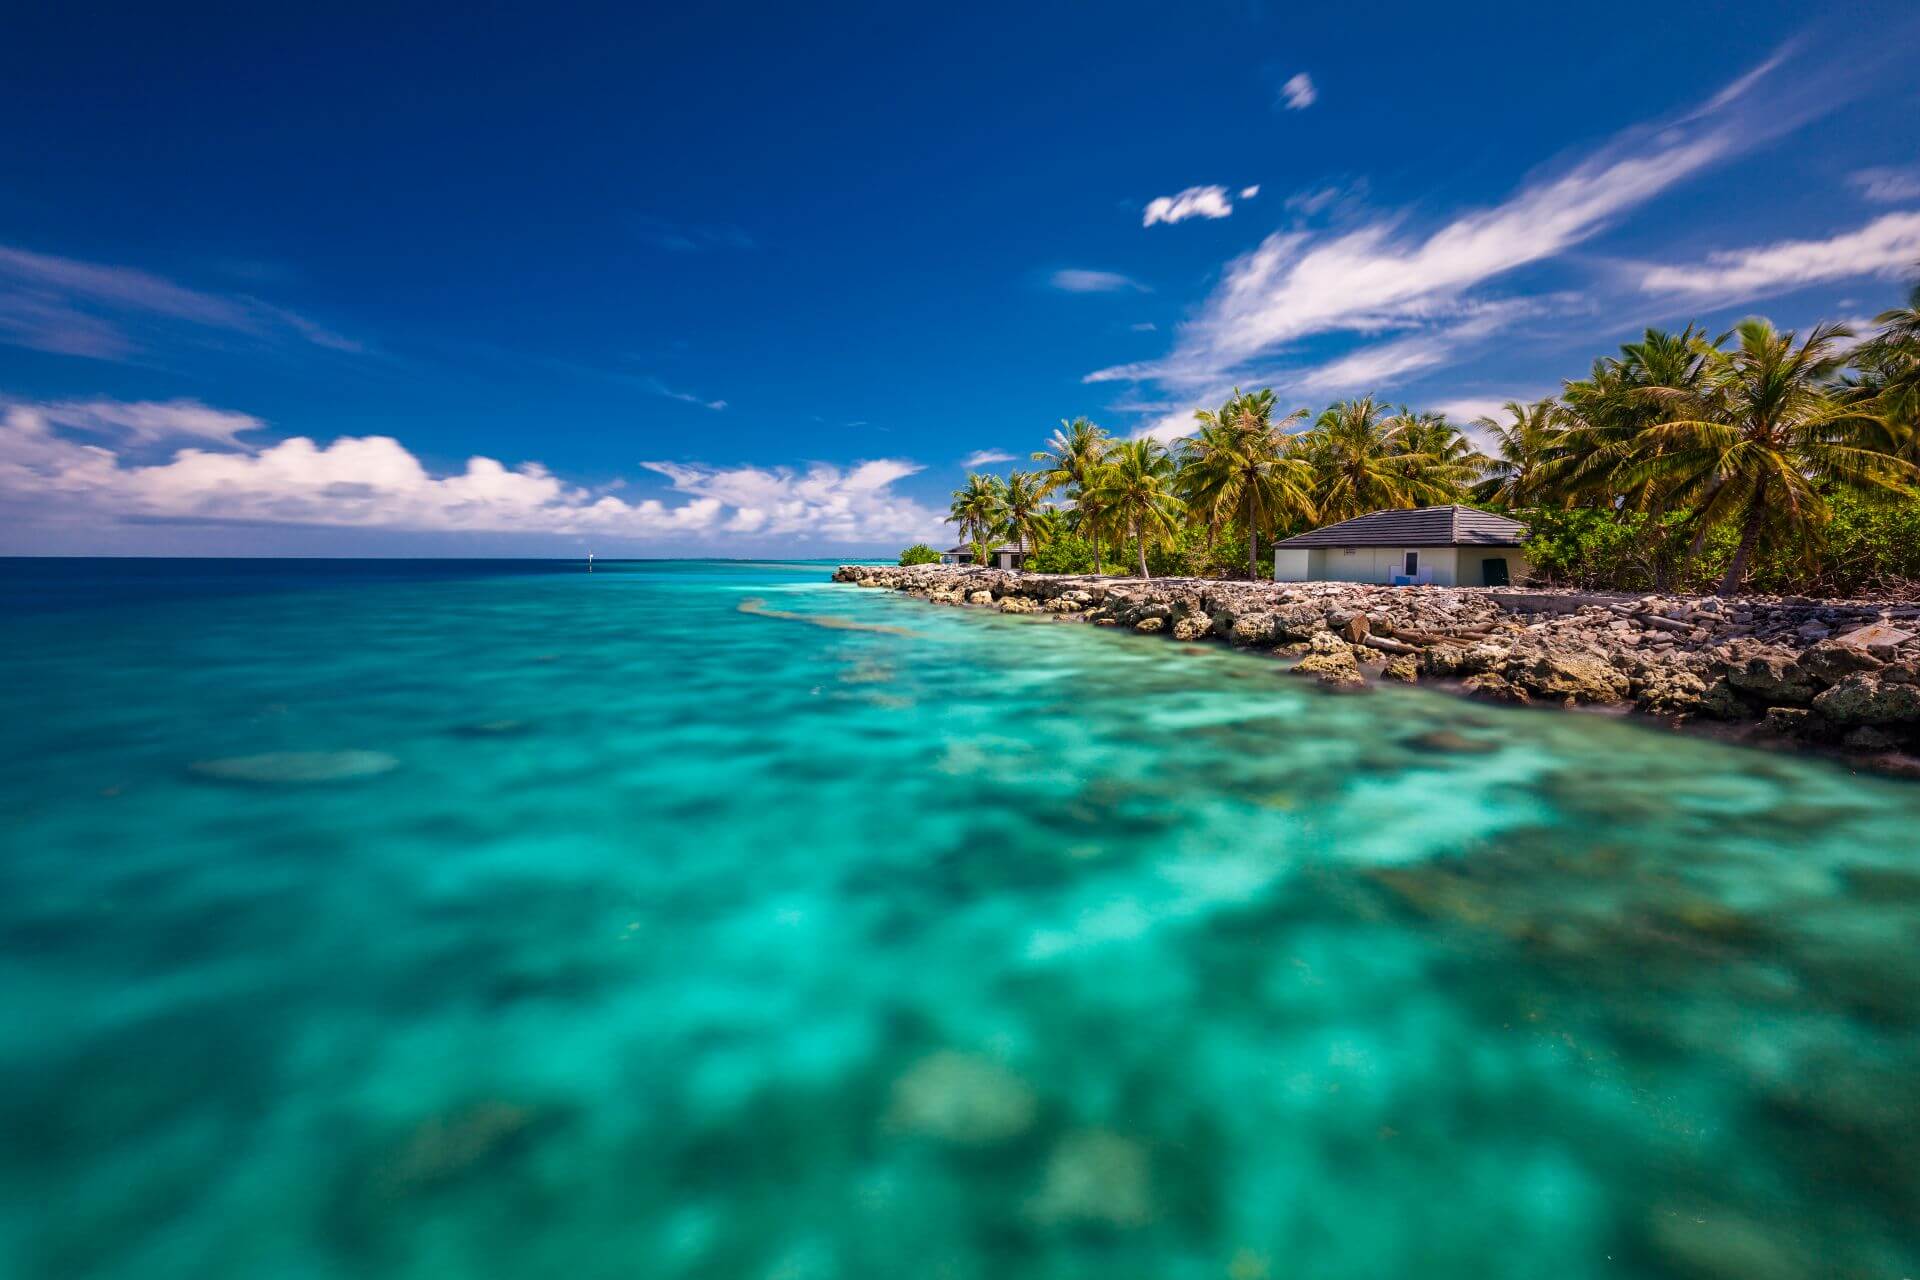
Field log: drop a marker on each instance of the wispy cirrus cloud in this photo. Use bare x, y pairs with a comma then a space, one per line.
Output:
1078, 280
660, 388
1373, 276
1887, 246
72, 307
678, 237
1299, 93
985, 458
1885, 184
51, 481
152, 421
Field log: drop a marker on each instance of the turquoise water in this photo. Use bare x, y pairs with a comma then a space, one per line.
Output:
506, 921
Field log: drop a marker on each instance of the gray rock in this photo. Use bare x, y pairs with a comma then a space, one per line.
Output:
1865, 699
1192, 627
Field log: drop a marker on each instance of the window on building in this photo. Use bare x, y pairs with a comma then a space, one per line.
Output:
1413, 563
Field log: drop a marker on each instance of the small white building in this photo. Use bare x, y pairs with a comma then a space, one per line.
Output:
1438, 546
1008, 555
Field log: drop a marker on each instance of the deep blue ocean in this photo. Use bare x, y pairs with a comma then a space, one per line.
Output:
705, 919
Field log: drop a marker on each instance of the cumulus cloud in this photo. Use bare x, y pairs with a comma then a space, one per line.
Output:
1298, 92
1075, 280
1889, 245
820, 502
64, 305
1885, 184
1248, 193
1194, 202
49, 478
985, 457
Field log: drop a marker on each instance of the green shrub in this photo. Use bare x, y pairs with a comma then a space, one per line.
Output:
1065, 553
919, 553
1871, 546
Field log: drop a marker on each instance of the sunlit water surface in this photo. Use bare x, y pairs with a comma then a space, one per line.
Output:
506, 921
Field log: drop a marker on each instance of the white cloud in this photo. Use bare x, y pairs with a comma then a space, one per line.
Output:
821, 503
1143, 326
1167, 428
1248, 193
1340, 197
984, 457
660, 388
1299, 92
1377, 276
64, 305
1075, 280
1465, 409
1885, 184
1194, 202
1889, 245
51, 480
1362, 371
148, 420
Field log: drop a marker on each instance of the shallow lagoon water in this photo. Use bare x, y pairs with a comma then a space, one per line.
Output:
511, 921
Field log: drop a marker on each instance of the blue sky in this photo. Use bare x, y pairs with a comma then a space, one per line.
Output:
759, 280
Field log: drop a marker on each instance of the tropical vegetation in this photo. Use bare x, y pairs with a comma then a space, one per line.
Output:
1758, 459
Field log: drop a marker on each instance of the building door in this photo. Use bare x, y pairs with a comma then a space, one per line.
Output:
1413, 563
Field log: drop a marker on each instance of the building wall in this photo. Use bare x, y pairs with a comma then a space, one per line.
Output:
1379, 564
1518, 569
1451, 566
1292, 564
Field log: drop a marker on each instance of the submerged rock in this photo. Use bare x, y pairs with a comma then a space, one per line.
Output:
1448, 742
1095, 1178
297, 766
445, 1148
961, 1098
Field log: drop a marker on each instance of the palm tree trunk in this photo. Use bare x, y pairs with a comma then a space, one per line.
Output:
1140, 545
1253, 543
1749, 536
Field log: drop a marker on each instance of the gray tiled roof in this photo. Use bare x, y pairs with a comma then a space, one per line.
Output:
1419, 527
967, 548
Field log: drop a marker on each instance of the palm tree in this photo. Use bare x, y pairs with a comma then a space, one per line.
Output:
1023, 510
1136, 486
1437, 456
1752, 446
1237, 466
1078, 450
1889, 363
1516, 477
1607, 412
1358, 466
979, 509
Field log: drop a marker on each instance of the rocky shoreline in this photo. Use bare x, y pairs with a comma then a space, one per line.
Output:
1838, 676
